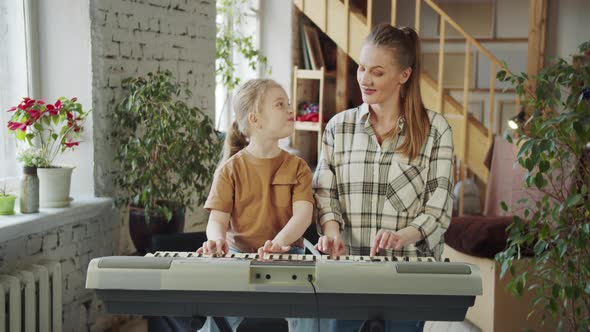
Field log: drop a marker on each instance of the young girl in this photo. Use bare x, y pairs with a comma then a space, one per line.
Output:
261, 198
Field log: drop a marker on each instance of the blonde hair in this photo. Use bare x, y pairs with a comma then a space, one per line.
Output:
405, 44
249, 99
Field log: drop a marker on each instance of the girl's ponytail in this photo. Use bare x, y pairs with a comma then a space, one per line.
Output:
234, 142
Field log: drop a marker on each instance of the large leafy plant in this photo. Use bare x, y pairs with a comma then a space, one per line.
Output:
166, 150
555, 230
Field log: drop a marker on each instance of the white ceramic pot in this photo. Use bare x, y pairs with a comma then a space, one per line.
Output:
54, 186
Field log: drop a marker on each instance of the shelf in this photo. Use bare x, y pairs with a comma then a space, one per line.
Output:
307, 126
311, 74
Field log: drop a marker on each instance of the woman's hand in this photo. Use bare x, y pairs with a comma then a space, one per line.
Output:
272, 247
214, 247
331, 244
387, 239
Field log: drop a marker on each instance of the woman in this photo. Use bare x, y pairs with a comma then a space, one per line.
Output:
383, 185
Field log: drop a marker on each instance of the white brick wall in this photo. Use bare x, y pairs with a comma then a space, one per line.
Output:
133, 37
73, 245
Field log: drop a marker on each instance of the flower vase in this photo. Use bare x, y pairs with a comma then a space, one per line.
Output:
29, 191
54, 186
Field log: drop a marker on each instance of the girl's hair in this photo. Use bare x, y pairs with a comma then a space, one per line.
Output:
405, 45
248, 99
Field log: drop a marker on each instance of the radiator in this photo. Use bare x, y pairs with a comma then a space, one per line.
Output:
30, 299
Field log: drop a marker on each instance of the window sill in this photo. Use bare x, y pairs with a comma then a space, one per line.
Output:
18, 225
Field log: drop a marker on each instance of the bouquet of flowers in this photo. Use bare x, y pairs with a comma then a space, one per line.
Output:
51, 128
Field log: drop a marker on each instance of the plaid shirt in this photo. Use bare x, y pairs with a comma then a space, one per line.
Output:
366, 187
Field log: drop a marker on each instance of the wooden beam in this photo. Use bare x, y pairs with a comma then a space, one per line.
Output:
492, 103
537, 36
441, 66
393, 12
464, 128
342, 63
370, 14
417, 18
294, 102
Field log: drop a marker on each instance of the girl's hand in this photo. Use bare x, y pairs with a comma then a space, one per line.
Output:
271, 246
214, 247
331, 245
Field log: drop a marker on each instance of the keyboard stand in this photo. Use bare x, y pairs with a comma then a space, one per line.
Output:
373, 325
197, 323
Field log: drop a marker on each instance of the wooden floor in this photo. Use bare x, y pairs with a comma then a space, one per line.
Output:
466, 326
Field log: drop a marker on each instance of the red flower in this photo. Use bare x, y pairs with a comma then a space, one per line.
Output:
17, 125
71, 144
12, 109
52, 109
70, 116
34, 114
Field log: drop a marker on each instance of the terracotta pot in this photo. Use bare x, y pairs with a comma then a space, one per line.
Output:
141, 231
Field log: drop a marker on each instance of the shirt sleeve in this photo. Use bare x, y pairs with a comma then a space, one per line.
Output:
302, 190
221, 196
438, 196
325, 185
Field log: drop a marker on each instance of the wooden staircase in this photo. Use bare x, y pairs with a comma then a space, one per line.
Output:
347, 27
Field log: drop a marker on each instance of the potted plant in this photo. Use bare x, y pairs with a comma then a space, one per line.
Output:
165, 158
31, 158
6, 202
555, 228
53, 129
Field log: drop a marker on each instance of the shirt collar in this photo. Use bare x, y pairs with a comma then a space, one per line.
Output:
364, 116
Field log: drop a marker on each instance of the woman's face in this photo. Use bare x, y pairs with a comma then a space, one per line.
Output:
378, 75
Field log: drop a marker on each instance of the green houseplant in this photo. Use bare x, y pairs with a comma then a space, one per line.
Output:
52, 129
6, 202
165, 158
555, 229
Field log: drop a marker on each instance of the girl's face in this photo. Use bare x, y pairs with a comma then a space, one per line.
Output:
276, 119
378, 76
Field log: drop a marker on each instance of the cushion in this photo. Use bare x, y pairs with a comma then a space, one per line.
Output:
479, 236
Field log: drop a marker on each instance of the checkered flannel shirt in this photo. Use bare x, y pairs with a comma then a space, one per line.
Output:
366, 187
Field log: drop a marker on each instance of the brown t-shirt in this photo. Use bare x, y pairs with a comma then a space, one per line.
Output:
259, 195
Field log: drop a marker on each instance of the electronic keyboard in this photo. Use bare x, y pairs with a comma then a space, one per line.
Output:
284, 285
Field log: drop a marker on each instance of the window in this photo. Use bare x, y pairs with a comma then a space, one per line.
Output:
14, 77
248, 25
